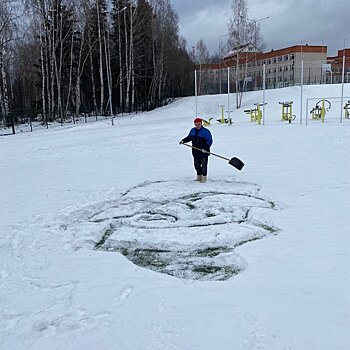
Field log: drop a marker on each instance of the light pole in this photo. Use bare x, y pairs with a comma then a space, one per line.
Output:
221, 58
255, 21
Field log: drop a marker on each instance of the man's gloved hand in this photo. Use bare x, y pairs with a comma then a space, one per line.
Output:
181, 142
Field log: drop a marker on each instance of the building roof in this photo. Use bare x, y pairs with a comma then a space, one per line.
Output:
250, 56
249, 47
293, 49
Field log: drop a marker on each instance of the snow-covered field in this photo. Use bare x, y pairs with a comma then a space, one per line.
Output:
106, 242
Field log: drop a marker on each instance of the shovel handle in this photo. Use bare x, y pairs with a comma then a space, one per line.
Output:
204, 151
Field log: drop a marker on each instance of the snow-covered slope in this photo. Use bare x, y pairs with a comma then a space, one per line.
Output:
107, 243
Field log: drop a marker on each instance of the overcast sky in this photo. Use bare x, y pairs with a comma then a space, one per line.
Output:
315, 22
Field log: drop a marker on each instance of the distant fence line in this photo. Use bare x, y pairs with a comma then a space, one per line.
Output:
33, 119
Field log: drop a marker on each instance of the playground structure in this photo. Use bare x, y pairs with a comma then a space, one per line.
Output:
255, 114
324, 104
224, 120
207, 122
347, 110
287, 111
320, 110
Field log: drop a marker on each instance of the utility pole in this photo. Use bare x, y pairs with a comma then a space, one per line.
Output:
221, 58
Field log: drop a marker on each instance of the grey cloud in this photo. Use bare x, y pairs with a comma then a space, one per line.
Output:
291, 22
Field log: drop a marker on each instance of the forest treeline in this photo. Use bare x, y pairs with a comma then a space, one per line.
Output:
106, 57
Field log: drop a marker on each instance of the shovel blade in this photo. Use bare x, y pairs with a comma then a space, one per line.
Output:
237, 163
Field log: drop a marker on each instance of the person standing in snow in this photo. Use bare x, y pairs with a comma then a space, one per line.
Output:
201, 138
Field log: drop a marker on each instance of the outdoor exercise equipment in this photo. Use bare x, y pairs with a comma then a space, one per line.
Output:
207, 122
320, 110
347, 110
287, 111
255, 113
224, 120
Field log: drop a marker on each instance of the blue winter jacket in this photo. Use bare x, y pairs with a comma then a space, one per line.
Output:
202, 139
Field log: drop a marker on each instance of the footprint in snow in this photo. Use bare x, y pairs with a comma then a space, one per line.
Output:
125, 293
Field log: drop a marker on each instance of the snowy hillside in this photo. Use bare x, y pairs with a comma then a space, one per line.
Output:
108, 243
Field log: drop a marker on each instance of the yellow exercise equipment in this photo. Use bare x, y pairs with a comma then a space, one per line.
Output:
255, 113
224, 120
320, 110
287, 111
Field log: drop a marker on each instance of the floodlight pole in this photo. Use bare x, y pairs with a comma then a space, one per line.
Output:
264, 87
255, 21
195, 91
342, 86
301, 91
221, 58
228, 92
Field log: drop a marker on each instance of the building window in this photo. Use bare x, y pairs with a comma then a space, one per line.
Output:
286, 68
279, 78
291, 67
269, 71
286, 57
258, 63
292, 56
275, 70
268, 80
269, 61
280, 59
280, 69
291, 77
275, 60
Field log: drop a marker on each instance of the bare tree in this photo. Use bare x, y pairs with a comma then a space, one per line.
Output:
120, 77
240, 35
8, 33
107, 48
202, 57
5, 38
92, 70
100, 7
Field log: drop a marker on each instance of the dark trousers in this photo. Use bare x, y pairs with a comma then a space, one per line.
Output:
201, 165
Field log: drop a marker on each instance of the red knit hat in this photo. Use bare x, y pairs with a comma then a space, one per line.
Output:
197, 120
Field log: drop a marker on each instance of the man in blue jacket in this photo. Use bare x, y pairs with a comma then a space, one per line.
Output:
201, 138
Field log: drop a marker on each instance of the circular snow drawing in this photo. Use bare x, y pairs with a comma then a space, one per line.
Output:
181, 228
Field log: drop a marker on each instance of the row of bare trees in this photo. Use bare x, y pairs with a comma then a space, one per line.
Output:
65, 57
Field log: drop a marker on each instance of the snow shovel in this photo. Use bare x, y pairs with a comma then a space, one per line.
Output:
235, 162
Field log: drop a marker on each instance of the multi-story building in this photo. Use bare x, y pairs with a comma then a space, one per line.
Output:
283, 68
336, 63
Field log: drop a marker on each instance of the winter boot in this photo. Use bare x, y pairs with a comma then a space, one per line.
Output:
199, 178
204, 179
